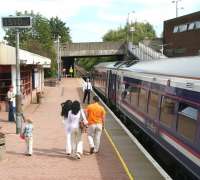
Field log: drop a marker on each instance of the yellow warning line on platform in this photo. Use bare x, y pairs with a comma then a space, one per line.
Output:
119, 156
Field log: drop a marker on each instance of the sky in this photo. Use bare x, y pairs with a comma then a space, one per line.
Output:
89, 20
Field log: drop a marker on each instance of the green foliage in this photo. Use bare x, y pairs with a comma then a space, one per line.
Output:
40, 38
141, 32
88, 63
58, 28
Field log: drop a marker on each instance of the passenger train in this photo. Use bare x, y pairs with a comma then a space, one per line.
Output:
162, 97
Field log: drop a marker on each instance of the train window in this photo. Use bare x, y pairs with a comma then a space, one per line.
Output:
134, 95
125, 92
142, 99
167, 115
176, 29
153, 105
187, 119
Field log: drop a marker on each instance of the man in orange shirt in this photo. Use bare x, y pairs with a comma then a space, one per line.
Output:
96, 117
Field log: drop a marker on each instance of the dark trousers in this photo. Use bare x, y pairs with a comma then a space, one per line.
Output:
86, 94
11, 112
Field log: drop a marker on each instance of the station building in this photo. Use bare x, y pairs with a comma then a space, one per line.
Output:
31, 73
181, 36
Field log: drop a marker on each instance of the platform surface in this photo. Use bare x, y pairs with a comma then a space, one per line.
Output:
49, 161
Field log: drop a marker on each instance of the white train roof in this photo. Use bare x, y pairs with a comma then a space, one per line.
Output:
181, 67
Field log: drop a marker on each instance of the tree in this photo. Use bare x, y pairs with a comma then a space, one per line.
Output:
40, 38
142, 31
58, 28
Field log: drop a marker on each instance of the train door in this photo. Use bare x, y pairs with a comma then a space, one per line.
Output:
112, 87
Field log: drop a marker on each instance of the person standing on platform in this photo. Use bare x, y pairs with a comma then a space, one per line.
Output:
11, 104
96, 117
75, 116
71, 71
64, 72
87, 88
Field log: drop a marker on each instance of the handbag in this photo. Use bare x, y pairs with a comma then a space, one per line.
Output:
22, 136
81, 125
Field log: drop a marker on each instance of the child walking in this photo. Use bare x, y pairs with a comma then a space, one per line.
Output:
28, 134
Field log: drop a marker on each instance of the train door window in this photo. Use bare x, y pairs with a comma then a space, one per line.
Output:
168, 114
153, 105
126, 93
187, 120
143, 99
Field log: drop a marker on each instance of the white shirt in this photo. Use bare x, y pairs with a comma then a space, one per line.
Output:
72, 121
11, 97
87, 86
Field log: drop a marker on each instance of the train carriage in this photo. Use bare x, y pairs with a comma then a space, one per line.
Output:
163, 98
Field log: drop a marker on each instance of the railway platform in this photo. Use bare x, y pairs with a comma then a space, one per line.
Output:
118, 158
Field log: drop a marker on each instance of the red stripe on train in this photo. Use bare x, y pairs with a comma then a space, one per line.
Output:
181, 144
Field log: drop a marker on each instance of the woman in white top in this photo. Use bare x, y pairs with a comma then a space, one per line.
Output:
75, 115
66, 107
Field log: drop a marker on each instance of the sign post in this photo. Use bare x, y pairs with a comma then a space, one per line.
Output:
16, 23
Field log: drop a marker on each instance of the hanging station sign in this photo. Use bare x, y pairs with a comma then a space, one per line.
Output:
17, 22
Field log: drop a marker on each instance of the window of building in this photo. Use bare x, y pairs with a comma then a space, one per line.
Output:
153, 105
167, 115
5, 81
187, 119
143, 99
197, 25
191, 26
176, 29
183, 27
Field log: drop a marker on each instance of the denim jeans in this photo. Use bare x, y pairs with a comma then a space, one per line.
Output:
11, 116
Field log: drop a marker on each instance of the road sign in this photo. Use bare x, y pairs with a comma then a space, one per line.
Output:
17, 22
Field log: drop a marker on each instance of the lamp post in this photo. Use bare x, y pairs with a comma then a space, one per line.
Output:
128, 25
18, 90
58, 58
176, 3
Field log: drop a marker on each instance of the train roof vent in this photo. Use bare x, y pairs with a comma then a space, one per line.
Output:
130, 63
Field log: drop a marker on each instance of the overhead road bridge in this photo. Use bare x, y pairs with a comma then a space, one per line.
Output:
93, 49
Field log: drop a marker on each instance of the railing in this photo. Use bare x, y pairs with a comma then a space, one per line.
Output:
144, 52
93, 46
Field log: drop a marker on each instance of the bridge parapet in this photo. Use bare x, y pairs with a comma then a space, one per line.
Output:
93, 49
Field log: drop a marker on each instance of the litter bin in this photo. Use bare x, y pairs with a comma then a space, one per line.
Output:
39, 96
